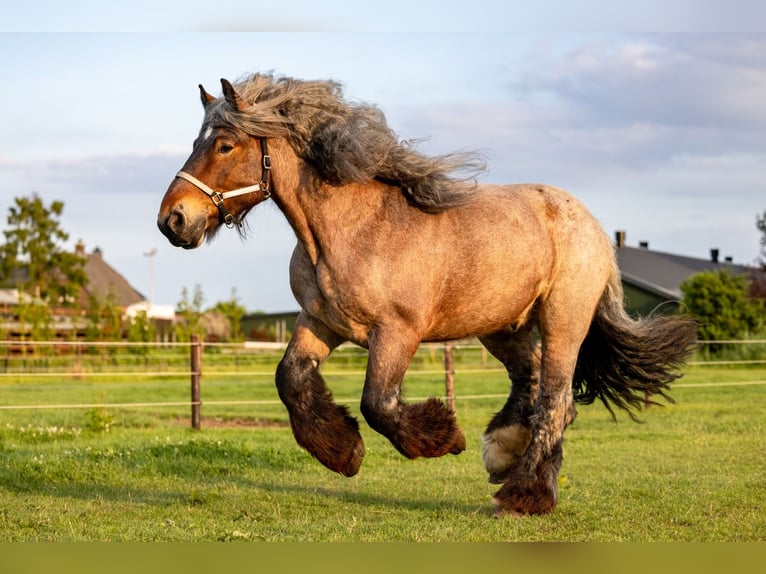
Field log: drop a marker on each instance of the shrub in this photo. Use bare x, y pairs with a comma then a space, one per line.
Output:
721, 302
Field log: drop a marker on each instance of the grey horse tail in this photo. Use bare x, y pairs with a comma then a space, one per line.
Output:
624, 362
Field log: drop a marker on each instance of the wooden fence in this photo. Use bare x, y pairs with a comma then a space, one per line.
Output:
22, 361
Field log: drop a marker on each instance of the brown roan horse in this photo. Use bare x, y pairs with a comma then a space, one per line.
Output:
393, 249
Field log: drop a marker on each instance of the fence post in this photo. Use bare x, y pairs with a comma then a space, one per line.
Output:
196, 375
449, 376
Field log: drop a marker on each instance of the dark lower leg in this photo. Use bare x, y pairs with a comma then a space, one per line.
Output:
510, 430
422, 429
531, 490
327, 430
531, 485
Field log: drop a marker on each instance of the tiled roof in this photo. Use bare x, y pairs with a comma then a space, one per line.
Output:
102, 278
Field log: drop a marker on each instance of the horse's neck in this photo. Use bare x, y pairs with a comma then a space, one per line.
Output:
317, 211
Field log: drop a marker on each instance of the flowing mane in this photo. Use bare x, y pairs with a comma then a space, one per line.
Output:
348, 142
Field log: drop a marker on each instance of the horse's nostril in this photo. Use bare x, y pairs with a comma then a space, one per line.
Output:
176, 221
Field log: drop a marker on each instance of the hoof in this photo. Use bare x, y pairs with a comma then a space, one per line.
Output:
336, 442
523, 504
458, 442
523, 495
354, 461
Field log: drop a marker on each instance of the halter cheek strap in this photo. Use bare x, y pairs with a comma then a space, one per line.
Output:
218, 197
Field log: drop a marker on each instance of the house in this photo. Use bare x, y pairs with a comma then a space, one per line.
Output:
103, 279
652, 280
103, 282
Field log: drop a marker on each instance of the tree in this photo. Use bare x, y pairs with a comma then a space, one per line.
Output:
721, 302
760, 223
33, 259
234, 312
104, 317
190, 312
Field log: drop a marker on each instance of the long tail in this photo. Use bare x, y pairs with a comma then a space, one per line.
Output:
625, 361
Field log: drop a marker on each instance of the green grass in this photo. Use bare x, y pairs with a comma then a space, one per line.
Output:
692, 471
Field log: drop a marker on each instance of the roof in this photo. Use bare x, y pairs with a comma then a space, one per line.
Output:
102, 279
662, 273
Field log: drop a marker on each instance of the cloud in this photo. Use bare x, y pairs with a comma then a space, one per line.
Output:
659, 135
695, 80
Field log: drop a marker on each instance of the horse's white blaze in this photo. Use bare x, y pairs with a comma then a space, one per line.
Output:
208, 133
504, 446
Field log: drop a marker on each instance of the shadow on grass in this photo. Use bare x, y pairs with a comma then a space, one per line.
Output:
374, 500
195, 472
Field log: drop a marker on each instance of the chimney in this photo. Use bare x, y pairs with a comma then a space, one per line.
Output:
644, 245
79, 248
714, 255
619, 239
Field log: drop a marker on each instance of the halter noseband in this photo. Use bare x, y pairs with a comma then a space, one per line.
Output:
218, 197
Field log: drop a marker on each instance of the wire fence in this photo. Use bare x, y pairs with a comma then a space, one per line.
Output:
29, 365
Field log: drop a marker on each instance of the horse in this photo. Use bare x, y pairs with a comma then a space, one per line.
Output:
395, 247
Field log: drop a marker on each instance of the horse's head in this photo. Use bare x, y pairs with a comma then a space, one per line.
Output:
226, 175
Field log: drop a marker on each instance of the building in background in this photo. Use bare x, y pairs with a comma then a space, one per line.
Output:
104, 283
652, 280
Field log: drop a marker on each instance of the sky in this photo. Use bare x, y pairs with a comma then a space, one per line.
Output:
660, 134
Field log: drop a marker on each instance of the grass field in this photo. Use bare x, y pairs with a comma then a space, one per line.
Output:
692, 471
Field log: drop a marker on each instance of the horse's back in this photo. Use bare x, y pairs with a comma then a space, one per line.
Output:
546, 203
545, 219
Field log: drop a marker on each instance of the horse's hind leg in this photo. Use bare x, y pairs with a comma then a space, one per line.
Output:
531, 486
322, 427
423, 429
508, 433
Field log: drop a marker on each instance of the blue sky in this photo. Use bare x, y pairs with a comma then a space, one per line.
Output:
659, 134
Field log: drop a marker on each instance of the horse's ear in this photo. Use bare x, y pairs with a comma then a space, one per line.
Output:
206, 98
232, 97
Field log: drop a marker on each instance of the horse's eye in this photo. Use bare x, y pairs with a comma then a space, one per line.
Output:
225, 148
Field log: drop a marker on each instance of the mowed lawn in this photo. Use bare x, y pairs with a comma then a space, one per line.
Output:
691, 471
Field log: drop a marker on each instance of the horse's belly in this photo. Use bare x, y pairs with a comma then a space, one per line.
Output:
463, 321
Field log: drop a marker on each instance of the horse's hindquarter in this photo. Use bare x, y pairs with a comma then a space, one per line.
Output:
510, 248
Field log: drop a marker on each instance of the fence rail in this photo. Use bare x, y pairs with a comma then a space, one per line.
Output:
76, 361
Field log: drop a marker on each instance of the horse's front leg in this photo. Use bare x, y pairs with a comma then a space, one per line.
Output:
327, 430
421, 429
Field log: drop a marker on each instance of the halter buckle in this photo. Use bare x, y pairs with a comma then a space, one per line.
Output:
217, 198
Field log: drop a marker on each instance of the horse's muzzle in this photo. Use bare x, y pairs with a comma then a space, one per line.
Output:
180, 230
